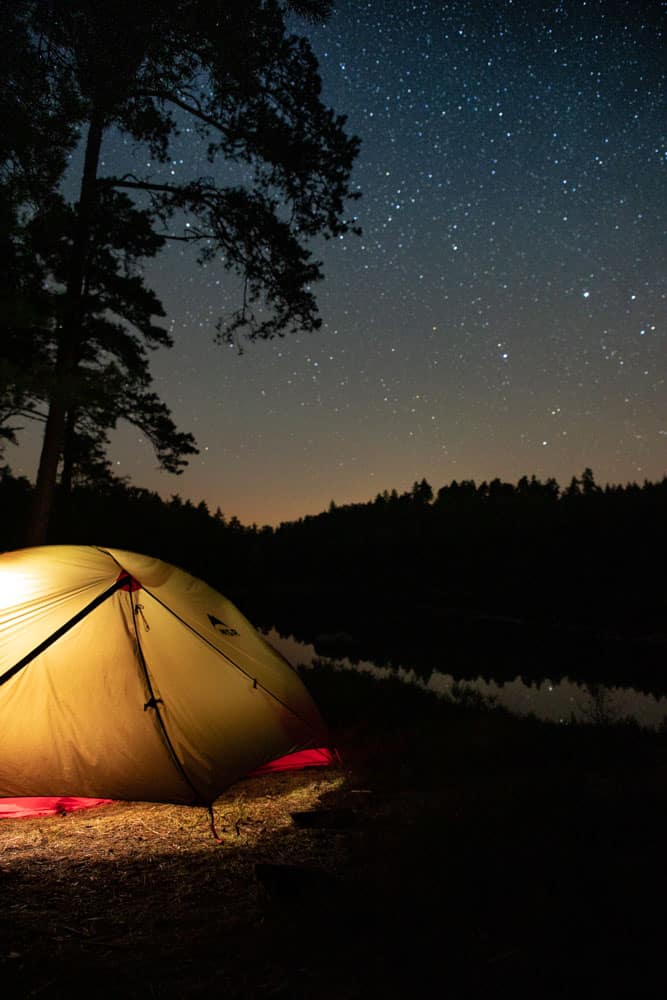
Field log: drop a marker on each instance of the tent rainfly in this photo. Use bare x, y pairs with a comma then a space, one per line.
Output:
124, 677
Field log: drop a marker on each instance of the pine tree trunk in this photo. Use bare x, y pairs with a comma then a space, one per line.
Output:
67, 472
68, 347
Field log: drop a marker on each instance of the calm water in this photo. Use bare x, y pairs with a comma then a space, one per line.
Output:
557, 701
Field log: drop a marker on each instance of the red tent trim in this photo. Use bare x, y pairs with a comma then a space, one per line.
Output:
321, 757
46, 806
60, 805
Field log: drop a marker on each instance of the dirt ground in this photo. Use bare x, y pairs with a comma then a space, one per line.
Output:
396, 874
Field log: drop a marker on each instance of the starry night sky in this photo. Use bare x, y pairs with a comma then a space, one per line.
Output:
503, 312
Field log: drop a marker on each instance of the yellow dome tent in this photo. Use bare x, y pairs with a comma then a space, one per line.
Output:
124, 677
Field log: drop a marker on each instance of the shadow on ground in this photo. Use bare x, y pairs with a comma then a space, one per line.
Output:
472, 860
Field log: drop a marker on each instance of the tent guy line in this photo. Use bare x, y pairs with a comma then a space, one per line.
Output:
257, 684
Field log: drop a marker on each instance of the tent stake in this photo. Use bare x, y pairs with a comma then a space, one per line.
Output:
212, 823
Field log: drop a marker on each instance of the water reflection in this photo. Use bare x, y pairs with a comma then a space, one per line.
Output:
556, 701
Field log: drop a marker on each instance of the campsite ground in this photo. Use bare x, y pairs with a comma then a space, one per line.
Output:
456, 851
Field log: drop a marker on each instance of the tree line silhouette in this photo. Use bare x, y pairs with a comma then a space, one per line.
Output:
490, 573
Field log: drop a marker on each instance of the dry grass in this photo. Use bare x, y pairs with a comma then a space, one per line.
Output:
502, 857
142, 896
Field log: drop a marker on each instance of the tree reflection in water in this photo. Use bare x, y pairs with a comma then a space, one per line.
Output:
559, 700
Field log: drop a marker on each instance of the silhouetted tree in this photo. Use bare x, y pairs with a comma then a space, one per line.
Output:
588, 485
110, 379
422, 493
252, 93
33, 153
499, 490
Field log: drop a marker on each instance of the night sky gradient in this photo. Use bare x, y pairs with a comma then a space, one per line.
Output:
503, 312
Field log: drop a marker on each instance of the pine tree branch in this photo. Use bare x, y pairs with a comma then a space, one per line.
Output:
195, 109
122, 182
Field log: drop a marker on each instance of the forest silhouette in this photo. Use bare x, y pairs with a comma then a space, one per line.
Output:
492, 579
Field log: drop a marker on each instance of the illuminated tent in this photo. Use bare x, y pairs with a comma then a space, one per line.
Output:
125, 678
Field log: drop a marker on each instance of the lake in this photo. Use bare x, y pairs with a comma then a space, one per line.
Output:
556, 701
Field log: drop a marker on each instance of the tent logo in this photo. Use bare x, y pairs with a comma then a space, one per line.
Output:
221, 627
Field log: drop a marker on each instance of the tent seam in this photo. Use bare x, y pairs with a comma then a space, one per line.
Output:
225, 656
162, 725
